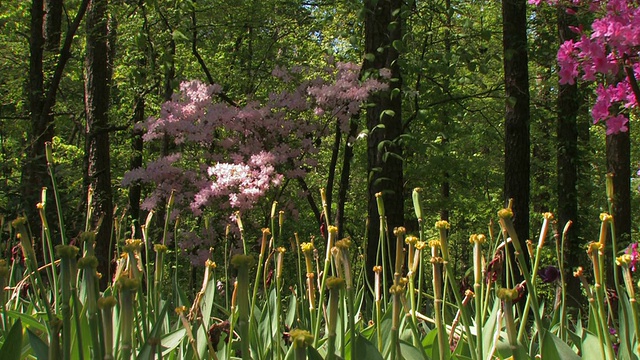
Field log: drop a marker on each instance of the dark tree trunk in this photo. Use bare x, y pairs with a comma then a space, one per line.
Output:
385, 166
137, 144
517, 142
52, 24
34, 173
619, 165
42, 99
97, 133
135, 191
568, 159
343, 186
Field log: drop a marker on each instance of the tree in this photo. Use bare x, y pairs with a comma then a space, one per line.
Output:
97, 88
383, 32
42, 99
517, 142
568, 158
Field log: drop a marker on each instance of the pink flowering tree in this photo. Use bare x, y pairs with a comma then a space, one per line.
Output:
606, 53
230, 157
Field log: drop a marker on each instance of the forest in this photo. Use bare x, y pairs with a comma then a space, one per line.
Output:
235, 179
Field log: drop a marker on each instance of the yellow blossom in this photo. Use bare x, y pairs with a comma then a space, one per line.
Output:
307, 247
477, 239
443, 224
411, 240
604, 217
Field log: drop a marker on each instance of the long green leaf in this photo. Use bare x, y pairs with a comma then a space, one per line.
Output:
12, 347
29, 320
554, 348
148, 349
38, 346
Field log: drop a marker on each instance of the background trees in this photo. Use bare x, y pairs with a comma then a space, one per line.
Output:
443, 117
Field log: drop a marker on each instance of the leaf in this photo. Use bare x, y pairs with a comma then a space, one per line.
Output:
28, 320
379, 126
591, 348
366, 350
394, 93
147, 349
554, 348
12, 347
388, 112
177, 35
370, 57
171, 340
38, 346
291, 311
429, 343
408, 351
398, 45
207, 302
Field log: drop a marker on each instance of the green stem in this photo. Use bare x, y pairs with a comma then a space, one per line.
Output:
477, 289
437, 306
47, 247
466, 321
65, 307
506, 223
54, 186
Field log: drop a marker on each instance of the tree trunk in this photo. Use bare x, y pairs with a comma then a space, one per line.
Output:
343, 186
517, 142
52, 24
567, 169
97, 90
137, 144
619, 165
382, 28
42, 99
34, 172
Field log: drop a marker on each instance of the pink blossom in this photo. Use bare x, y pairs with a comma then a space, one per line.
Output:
617, 124
235, 155
614, 36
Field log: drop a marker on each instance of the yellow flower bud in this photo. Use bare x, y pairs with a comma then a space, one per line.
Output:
505, 213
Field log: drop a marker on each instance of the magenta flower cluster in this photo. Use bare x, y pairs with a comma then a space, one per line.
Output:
611, 44
232, 155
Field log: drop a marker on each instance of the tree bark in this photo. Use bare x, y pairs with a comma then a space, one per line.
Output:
385, 166
34, 173
42, 99
568, 159
52, 24
619, 165
517, 142
343, 186
97, 88
335, 151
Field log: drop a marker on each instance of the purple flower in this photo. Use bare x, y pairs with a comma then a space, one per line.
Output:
549, 274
